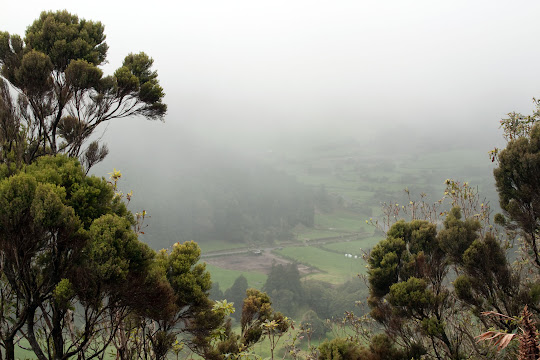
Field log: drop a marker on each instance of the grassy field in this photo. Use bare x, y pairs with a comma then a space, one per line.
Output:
226, 277
336, 269
21, 353
452, 159
207, 246
343, 221
362, 180
353, 246
312, 234
262, 349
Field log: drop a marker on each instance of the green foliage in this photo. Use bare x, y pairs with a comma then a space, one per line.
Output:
258, 321
90, 197
140, 66
115, 250
236, 293
64, 37
34, 73
342, 349
382, 347
515, 178
176, 304
534, 293
215, 292
433, 326
383, 265
332, 302
463, 288
251, 204
457, 235
317, 327
80, 74
184, 271
408, 276
62, 93
403, 254
43, 242
257, 313
283, 285
412, 296
63, 292
68, 244
319, 297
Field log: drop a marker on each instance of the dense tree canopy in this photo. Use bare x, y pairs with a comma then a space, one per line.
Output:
283, 285
519, 190
433, 288
75, 279
55, 247
62, 94
429, 286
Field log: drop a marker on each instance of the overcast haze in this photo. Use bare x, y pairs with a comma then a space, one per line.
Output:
284, 65
255, 75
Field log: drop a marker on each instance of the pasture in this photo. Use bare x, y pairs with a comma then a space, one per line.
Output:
334, 268
226, 277
354, 247
359, 180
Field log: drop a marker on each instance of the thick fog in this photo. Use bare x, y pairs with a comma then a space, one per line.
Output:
257, 68
249, 77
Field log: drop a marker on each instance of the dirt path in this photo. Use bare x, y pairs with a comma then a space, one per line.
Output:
250, 262
243, 259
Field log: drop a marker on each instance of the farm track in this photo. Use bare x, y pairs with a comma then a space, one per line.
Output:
320, 241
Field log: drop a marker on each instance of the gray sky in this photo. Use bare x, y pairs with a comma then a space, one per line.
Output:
255, 75
443, 68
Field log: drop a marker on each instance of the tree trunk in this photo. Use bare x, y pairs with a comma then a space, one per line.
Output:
31, 336
10, 348
56, 333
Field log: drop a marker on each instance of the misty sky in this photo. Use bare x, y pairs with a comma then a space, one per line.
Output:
276, 68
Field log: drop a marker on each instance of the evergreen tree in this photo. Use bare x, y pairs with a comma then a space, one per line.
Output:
65, 238
519, 191
62, 93
284, 286
411, 294
236, 294
215, 292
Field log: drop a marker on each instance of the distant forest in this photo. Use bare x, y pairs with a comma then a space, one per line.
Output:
231, 202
